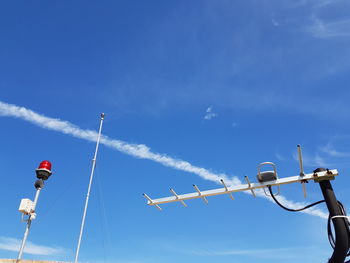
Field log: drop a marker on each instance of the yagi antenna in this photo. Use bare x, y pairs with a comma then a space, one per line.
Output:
319, 176
268, 179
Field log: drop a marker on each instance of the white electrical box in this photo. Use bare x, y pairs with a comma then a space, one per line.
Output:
26, 206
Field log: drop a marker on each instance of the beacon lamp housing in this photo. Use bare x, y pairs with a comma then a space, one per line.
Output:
44, 170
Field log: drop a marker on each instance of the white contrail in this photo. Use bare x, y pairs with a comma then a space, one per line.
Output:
136, 150
13, 244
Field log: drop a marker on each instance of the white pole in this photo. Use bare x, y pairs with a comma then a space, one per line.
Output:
29, 222
89, 189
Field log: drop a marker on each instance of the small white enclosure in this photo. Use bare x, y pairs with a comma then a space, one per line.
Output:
26, 206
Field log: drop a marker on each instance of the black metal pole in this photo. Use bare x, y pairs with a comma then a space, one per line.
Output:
340, 226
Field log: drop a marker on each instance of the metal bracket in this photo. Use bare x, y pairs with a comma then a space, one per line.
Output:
329, 176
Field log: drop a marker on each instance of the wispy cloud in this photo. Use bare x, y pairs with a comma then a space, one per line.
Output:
265, 253
275, 22
280, 157
330, 150
119, 261
13, 244
276, 253
323, 29
135, 150
326, 3
209, 114
314, 160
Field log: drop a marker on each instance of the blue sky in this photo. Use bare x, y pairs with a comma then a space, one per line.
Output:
221, 85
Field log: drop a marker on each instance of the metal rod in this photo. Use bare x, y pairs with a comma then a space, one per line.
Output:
301, 169
223, 183
300, 160
341, 227
177, 197
29, 223
149, 199
89, 188
304, 188
250, 186
199, 193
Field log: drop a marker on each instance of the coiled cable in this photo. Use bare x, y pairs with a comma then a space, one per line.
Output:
329, 228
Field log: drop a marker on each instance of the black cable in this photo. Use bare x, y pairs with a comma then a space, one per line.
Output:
329, 229
290, 209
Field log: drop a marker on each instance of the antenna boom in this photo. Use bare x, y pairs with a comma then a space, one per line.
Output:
244, 187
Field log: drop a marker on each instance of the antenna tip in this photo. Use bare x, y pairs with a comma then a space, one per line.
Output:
298, 145
102, 115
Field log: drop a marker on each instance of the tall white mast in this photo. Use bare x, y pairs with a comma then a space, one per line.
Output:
89, 189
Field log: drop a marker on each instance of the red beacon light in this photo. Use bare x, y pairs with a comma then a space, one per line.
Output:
44, 170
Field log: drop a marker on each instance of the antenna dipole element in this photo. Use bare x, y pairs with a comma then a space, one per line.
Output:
223, 183
300, 160
301, 169
177, 197
150, 200
89, 188
199, 193
249, 185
